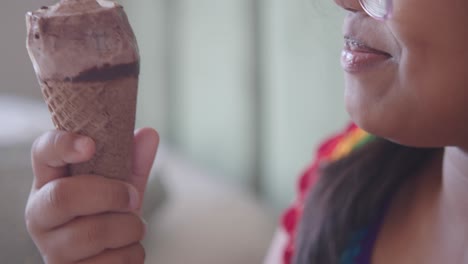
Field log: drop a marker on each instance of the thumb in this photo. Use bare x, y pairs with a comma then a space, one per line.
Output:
146, 143
53, 151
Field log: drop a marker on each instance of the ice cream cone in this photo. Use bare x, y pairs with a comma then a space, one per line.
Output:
86, 59
105, 111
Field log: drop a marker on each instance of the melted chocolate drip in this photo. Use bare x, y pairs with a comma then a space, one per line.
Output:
107, 73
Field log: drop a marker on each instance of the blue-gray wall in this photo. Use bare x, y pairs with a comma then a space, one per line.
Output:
246, 88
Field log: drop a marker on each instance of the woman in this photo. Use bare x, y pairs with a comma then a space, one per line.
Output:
396, 197
405, 66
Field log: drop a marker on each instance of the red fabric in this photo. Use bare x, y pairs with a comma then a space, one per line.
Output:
292, 215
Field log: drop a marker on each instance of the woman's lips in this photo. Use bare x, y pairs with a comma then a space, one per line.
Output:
357, 57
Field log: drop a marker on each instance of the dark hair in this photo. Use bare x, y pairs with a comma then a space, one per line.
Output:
349, 195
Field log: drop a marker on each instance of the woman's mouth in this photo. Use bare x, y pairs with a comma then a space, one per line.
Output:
357, 56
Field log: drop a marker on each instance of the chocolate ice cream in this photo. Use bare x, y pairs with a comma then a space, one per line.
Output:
86, 59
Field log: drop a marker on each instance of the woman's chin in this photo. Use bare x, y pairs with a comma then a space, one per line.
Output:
372, 121
397, 131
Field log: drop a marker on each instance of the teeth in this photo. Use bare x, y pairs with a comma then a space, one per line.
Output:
355, 45
351, 43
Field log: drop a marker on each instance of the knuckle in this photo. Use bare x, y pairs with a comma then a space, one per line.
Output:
50, 254
137, 226
94, 233
57, 195
117, 195
40, 144
29, 218
35, 146
32, 214
141, 229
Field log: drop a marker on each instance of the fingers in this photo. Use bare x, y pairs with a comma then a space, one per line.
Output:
146, 144
87, 218
89, 236
54, 150
134, 254
64, 199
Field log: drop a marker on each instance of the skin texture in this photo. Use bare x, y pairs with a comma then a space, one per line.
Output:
423, 86
87, 218
418, 97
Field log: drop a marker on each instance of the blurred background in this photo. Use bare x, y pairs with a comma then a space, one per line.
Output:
241, 91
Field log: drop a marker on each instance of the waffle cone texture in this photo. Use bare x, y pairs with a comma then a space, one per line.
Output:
104, 111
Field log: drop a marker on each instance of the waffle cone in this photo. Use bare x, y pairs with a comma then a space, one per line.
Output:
104, 111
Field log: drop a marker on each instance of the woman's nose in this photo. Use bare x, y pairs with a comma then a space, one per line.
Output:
350, 5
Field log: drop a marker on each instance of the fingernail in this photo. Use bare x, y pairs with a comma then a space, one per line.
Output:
80, 144
134, 198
